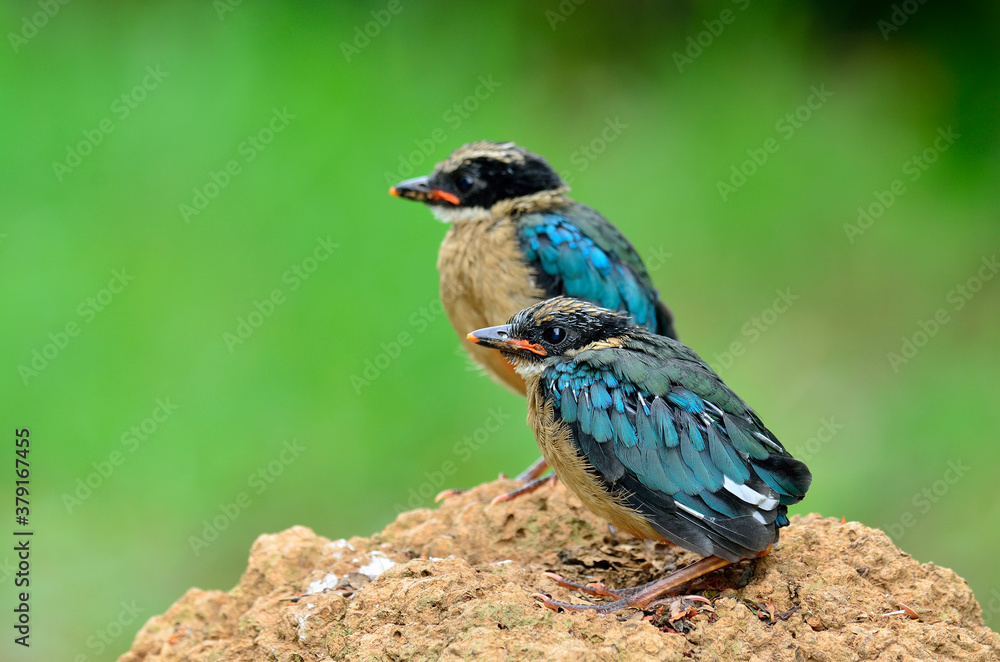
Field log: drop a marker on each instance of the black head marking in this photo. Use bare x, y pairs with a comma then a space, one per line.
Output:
564, 324
484, 173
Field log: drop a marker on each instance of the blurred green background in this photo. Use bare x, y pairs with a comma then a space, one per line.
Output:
117, 116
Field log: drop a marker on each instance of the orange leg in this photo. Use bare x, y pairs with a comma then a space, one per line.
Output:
447, 494
594, 588
638, 597
526, 489
534, 471
530, 476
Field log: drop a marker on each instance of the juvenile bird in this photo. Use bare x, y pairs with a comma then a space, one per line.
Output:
516, 238
648, 437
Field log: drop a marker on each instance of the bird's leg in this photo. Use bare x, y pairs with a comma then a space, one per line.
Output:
534, 471
593, 588
642, 596
526, 489
598, 588
530, 476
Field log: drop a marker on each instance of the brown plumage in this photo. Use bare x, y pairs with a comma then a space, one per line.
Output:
485, 277
484, 280
555, 439
648, 437
515, 239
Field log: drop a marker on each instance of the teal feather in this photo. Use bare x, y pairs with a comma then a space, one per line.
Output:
583, 413
580, 254
680, 472
648, 467
788, 486
646, 430
694, 434
742, 441
600, 425
718, 505
567, 409
599, 396
653, 473
774, 483
706, 473
726, 458
687, 400
666, 431
624, 432
572, 262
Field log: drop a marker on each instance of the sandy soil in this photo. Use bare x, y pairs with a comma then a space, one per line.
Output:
456, 583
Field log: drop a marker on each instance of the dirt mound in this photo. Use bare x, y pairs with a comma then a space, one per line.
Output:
456, 583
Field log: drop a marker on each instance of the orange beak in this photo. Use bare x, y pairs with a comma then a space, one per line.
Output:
498, 337
419, 189
438, 194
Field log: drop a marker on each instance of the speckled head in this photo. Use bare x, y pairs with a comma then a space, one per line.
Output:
561, 326
481, 175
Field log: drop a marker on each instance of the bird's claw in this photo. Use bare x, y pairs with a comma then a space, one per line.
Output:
524, 489
679, 600
447, 494
624, 602
555, 605
593, 588
546, 601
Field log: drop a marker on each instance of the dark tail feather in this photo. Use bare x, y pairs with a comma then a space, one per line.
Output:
789, 477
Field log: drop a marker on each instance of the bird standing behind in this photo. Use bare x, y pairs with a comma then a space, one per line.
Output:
648, 437
516, 238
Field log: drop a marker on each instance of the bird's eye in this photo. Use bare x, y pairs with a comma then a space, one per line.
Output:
554, 335
464, 182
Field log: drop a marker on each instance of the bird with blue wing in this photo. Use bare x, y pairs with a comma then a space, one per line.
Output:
515, 238
648, 436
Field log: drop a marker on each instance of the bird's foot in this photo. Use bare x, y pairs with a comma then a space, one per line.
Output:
678, 605
447, 494
525, 489
639, 597
593, 588
536, 470
530, 476
606, 608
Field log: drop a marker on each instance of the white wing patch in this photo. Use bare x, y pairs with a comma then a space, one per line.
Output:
689, 511
749, 495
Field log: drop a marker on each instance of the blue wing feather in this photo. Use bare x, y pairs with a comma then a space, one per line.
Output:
690, 455
599, 396
578, 253
624, 432
600, 425
725, 457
